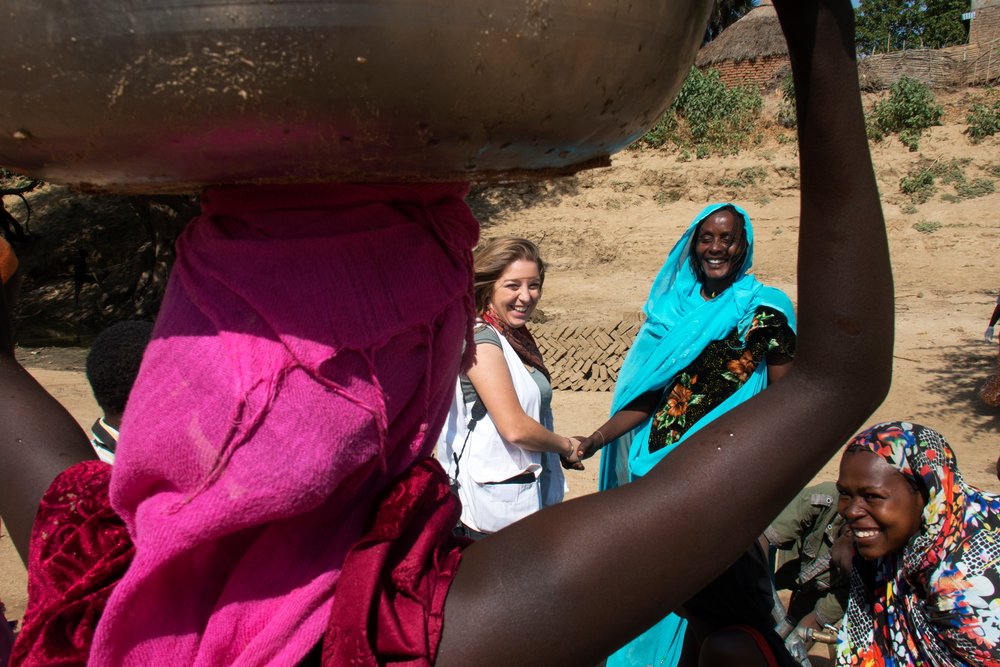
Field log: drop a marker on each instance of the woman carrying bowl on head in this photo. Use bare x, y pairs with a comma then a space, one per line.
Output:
497, 443
925, 586
342, 553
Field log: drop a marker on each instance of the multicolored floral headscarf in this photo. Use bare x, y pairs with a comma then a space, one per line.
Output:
937, 602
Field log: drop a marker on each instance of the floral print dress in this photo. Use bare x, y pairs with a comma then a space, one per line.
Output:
722, 368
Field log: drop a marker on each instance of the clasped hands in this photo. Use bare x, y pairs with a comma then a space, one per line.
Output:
583, 447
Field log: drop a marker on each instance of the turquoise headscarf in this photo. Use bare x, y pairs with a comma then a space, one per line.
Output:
679, 324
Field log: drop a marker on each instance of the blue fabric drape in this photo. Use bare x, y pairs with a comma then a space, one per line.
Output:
679, 325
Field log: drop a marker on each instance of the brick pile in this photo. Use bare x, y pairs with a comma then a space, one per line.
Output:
585, 358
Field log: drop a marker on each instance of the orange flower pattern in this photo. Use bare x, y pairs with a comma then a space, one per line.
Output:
674, 410
722, 368
740, 369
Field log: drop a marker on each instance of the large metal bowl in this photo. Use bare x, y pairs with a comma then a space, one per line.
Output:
171, 95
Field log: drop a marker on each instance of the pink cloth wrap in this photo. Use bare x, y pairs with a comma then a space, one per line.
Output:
304, 356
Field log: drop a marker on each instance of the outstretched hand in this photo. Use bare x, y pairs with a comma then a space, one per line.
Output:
571, 461
588, 446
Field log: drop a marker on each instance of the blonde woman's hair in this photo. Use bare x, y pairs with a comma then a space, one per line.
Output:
491, 258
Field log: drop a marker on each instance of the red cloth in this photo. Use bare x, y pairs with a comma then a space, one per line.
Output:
389, 606
79, 551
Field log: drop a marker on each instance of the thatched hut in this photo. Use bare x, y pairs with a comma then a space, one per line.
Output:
752, 50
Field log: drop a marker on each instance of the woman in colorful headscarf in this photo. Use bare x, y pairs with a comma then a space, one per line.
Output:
497, 443
326, 323
714, 336
925, 587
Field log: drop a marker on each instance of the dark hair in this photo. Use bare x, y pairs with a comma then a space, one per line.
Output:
742, 238
113, 363
493, 257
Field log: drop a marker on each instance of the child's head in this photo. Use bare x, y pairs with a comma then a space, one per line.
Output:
113, 364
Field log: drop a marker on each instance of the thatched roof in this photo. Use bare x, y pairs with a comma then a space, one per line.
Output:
756, 35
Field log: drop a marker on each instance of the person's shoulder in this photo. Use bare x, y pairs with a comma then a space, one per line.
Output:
823, 494
766, 315
483, 333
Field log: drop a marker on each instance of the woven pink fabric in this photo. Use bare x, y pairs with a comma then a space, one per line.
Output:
304, 356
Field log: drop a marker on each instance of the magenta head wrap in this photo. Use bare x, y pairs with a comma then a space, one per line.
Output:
304, 356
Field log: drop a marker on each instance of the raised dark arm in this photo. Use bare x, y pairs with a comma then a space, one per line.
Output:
38, 439
572, 583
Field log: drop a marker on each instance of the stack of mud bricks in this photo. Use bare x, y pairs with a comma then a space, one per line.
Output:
586, 358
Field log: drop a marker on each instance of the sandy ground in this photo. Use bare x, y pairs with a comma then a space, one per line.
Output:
605, 233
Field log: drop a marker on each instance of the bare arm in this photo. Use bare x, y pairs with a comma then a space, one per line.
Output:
491, 378
38, 440
620, 423
761, 452
778, 366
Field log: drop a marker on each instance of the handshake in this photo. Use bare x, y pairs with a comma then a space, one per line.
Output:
581, 448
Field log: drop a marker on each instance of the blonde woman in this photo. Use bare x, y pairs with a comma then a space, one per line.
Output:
498, 443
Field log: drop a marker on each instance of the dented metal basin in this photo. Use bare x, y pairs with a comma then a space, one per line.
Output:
173, 95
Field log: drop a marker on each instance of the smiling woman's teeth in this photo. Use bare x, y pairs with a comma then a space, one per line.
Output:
865, 533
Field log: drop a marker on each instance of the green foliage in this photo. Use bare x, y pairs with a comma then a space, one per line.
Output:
668, 196
745, 178
919, 185
872, 130
927, 226
659, 134
908, 111
786, 108
890, 25
708, 117
922, 182
979, 187
983, 120
718, 118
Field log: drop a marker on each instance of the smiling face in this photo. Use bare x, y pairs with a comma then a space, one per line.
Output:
719, 250
881, 507
516, 292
